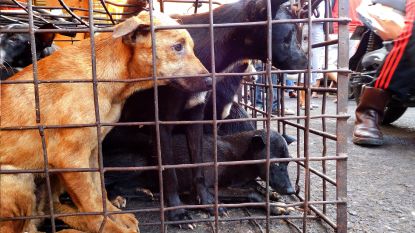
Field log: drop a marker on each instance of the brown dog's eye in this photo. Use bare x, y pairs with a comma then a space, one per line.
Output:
178, 47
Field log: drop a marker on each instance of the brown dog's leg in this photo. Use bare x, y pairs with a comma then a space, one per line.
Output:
302, 98
70, 231
119, 218
72, 221
84, 192
17, 198
85, 196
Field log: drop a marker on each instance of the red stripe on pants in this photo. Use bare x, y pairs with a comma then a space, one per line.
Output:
394, 57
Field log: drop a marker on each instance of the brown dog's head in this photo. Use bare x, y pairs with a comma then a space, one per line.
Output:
174, 52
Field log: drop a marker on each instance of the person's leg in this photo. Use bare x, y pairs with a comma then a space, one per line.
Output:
259, 92
275, 95
316, 84
333, 78
369, 114
396, 75
332, 61
317, 34
290, 83
276, 99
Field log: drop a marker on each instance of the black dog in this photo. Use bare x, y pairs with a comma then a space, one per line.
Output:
231, 44
250, 145
15, 49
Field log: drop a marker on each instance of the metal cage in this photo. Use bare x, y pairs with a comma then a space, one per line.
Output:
320, 171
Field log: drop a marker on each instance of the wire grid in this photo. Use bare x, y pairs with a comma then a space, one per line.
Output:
35, 16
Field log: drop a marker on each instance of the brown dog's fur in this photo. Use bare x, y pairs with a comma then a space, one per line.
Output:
124, 55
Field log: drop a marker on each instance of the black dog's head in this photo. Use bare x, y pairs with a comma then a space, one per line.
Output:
287, 53
279, 178
15, 49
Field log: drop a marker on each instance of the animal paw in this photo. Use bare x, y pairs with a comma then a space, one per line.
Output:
146, 192
181, 215
119, 202
116, 223
281, 209
128, 221
223, 212
210, 199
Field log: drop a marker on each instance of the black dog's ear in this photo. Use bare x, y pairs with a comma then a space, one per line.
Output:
129, 30
257, 10
45, 39
258, 142
289, 139
53, 26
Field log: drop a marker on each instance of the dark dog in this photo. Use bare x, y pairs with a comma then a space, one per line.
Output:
250, 145
231, 45
15, 49
286, 55
237, 112
234, 44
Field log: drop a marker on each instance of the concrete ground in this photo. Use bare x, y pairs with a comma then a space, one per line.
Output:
381, 181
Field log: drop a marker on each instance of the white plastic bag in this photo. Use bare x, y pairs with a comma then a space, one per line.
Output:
385, 21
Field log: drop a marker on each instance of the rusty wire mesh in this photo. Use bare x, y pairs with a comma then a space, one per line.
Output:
97, 17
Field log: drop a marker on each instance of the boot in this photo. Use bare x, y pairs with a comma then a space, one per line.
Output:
369, 114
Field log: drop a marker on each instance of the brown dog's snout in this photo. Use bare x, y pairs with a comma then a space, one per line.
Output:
203, 83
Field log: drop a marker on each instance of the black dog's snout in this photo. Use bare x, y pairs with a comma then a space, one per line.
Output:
208, 82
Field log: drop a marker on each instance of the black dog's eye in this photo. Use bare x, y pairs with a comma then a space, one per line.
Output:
12, 40
178, 47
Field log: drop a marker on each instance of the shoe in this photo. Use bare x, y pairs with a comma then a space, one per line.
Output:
302, 107
260, 107
292, 94
314, 95
287, 112
369, 113
312, 106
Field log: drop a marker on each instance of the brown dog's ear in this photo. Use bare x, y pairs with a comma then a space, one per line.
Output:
130, 29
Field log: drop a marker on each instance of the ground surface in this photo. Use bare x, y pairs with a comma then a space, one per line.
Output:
381, 184
381, 181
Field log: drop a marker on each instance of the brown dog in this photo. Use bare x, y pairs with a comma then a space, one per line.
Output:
126, 54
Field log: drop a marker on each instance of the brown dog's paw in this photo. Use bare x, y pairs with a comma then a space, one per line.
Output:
129, 221
119, 202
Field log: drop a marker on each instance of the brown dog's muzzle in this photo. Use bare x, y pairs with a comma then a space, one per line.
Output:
193, 84
202, 83
196, 84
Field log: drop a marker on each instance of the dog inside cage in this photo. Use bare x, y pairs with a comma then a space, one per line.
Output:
133, 115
